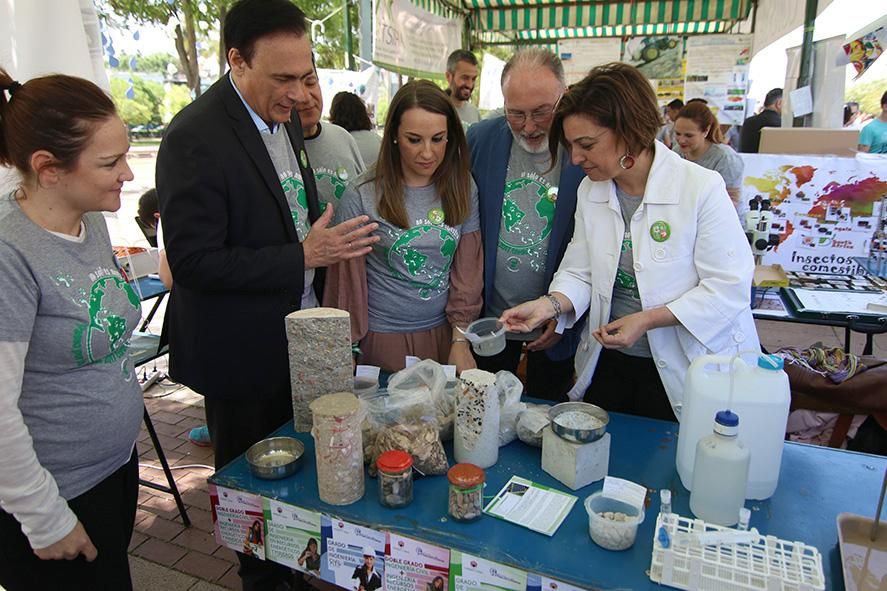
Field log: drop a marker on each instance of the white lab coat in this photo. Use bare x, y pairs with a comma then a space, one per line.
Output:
702, 272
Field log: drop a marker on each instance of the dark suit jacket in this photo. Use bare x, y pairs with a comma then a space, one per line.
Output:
490, 145
750, 134
237, 264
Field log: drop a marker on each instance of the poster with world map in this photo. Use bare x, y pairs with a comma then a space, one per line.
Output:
825, 208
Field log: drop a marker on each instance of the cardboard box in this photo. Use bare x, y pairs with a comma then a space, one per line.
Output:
770, 276
809, 140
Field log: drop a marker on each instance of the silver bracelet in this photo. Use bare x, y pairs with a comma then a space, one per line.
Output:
556, 305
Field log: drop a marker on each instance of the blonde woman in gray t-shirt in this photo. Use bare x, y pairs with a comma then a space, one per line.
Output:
424, 277
699, 139
70, 403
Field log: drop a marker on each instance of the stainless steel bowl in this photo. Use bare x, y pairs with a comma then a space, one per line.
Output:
275, 457
579, 435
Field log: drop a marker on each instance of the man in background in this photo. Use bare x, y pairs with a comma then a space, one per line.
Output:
770, 116
666, 132
461, 78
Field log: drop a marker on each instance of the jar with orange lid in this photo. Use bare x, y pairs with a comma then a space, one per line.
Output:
395, 478
466, 491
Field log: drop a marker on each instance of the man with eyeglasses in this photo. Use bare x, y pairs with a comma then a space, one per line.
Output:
526, 206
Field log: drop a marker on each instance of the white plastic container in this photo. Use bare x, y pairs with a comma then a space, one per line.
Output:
720, 473
609, 533
476, 434
761, 397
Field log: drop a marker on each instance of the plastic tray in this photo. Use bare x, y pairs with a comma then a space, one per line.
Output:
864, 561
770, 564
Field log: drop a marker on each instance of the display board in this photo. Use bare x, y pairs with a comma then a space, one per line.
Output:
581, 55
413, 41
825, 208
717, 70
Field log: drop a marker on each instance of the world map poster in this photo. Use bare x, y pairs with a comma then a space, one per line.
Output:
825, 208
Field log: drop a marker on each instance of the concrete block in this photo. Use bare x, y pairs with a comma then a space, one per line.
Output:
575, 464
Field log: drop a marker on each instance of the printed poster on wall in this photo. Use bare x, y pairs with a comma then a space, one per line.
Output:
411, 565
655, 57
540, 583
238, 520
352, 556
825, 208
292, 536
717, 70
579, 56
409, 40
472, 573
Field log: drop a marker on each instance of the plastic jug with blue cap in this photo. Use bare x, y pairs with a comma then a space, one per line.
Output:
760, 395
720, 473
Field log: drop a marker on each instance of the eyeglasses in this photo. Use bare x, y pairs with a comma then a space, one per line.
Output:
540, 115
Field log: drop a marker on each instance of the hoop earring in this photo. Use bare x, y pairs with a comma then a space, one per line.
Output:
395, 141
627, 161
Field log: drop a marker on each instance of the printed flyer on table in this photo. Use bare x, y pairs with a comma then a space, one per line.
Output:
352, 556
238, 520
411, 565
292, 536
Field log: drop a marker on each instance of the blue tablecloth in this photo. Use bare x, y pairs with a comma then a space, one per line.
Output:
816, 484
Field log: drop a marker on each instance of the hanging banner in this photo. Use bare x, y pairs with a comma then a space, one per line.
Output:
863, 51
717, 71
825, 208
413, 41
655, 57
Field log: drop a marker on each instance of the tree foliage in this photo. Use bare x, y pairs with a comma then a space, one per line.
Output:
868, 95
151, 102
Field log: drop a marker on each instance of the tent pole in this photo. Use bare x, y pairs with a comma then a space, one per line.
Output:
806, 69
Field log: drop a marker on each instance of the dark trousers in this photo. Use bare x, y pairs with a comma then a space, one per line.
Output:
546, 379
107, 512
627, 384
234, 425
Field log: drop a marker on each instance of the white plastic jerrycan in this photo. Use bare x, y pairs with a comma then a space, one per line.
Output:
761, 396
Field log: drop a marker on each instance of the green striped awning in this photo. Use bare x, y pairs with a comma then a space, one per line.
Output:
545, 19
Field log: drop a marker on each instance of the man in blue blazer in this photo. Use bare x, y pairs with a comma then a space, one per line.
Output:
526, 210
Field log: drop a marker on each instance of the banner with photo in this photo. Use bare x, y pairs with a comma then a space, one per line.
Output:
352, 556
825, 208
411, 565
717, 71
413, 41
655, 57
472, 573
238, 521
292, 536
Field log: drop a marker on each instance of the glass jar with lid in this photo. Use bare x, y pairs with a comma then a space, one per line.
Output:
466, 491
395, 478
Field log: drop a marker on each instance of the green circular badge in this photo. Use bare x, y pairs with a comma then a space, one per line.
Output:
436, 216
342, 173
552, 194
660, 231
303, 158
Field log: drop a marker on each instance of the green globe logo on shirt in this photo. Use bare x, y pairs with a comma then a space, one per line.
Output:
416, 268
102, 339
523, 231
330, 185
297, 200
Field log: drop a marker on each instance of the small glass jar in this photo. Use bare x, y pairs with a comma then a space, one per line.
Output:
395, 478
466, 491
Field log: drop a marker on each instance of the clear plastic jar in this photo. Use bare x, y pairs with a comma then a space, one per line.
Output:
395, 478
466, 491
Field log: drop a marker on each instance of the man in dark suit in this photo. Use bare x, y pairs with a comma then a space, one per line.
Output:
770, 116
244, 236
526, 214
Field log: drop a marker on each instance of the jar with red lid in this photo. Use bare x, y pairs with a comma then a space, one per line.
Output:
395, 478
466, 491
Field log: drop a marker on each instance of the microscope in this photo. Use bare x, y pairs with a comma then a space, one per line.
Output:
758, 225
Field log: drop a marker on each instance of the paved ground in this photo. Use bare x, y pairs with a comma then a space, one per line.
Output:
166, 555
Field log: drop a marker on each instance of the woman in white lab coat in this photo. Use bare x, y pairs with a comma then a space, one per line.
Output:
658, 258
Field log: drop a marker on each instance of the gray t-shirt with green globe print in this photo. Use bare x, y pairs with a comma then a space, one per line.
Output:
288, 172
408, 271
626, 298
528, 207
80, 398
335, 160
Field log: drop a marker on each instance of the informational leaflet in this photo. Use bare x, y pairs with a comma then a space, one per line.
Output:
579, 56
471, 573
411, 565
238, 520
717, 70
292, 536
352, 556
540, 583
531, 505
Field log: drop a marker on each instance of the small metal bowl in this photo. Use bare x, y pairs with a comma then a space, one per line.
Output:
579, 435
275, 457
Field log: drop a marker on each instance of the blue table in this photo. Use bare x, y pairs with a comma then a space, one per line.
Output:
815, 485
